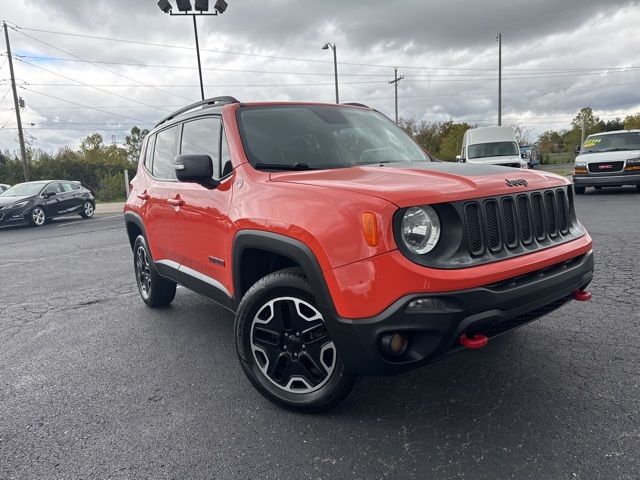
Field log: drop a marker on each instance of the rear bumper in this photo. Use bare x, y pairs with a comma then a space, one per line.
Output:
598, 180
492, 310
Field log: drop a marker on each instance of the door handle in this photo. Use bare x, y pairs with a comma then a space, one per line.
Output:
176, 202
144, 196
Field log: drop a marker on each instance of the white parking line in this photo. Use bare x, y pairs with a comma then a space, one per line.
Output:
80, 221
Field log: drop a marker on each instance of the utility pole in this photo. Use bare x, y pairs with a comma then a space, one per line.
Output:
395, 81
583, 129
16, 103
499, 39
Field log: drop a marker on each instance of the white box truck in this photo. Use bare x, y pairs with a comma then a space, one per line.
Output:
493, 146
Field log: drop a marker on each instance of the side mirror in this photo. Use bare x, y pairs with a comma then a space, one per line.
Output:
576, 150
460, 159
195, 169
49, 194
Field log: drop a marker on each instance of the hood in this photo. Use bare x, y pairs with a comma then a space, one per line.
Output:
497, 160
407, 184
11, 200
607, 156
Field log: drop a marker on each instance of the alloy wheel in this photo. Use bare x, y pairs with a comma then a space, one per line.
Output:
88, 209
143, 272
291, 346
38, 216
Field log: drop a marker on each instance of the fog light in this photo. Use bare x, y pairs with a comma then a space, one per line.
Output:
394, 344
422, 305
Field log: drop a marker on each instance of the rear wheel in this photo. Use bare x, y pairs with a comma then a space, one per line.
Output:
284, 347
38, 217
88, 210
579, 190
156, 291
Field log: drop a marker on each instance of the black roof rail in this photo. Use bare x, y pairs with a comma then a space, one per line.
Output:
209, 102
356, 104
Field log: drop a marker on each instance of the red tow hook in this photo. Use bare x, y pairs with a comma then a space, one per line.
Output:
582, 295
478, 340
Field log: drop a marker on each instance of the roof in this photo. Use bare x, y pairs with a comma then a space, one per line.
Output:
616, 131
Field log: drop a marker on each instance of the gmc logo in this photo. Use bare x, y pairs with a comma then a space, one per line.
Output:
518, 182
605, 166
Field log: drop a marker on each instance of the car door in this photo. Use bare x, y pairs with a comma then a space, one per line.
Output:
66, 200
158, 215
201, 232
74, 200
53, 199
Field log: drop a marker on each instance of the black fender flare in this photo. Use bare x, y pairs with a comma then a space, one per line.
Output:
132, 217
287, 247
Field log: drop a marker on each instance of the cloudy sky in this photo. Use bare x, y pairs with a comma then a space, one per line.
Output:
106, 65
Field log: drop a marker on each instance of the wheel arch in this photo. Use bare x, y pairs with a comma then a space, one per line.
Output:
134, 226
257, 253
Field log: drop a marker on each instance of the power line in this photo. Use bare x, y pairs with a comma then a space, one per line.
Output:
278, 57
100, 66
82, 84
82, 105
594, 71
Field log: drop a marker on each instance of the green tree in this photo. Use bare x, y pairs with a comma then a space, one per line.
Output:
133, 143
632, 121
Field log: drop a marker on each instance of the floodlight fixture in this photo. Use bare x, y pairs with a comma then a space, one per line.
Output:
220, 6
183, 5
164, 5
201, 5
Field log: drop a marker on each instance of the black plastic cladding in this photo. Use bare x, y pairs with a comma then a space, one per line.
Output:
475, 232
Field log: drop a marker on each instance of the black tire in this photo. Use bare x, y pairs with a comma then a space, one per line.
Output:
638, 188
37, 217
307, 373
156, 291
88, 209
579, 190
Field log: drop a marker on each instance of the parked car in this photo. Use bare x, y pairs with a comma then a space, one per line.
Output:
492, 146
608, 159
530, 153
342, 248
4, 186
38, 202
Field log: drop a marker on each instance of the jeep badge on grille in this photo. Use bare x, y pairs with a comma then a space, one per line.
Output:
518, 182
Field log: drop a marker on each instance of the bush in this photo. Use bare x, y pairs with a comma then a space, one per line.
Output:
111, 188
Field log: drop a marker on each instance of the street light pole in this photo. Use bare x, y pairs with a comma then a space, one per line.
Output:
335, 66
499, 39
16, 103
201, 7
195, 30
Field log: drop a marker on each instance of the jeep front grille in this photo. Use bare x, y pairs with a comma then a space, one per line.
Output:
512, 221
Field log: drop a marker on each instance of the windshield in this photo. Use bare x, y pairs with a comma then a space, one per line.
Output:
494, 149
612, 142
318, 137
23, 190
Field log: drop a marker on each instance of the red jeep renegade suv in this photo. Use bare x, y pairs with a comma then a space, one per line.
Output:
341, 246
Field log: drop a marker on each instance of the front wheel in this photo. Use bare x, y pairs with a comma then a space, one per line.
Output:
88, 210
155, 290
579, 190
38, 217
284, 347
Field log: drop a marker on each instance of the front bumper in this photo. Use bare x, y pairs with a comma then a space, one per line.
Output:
603, 180
13, 216
491, 310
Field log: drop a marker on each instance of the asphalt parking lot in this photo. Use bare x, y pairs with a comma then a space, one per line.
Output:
95, 385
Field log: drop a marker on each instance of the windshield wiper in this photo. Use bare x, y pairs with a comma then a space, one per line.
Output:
281, 166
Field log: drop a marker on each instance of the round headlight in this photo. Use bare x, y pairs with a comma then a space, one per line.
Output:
420, 229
